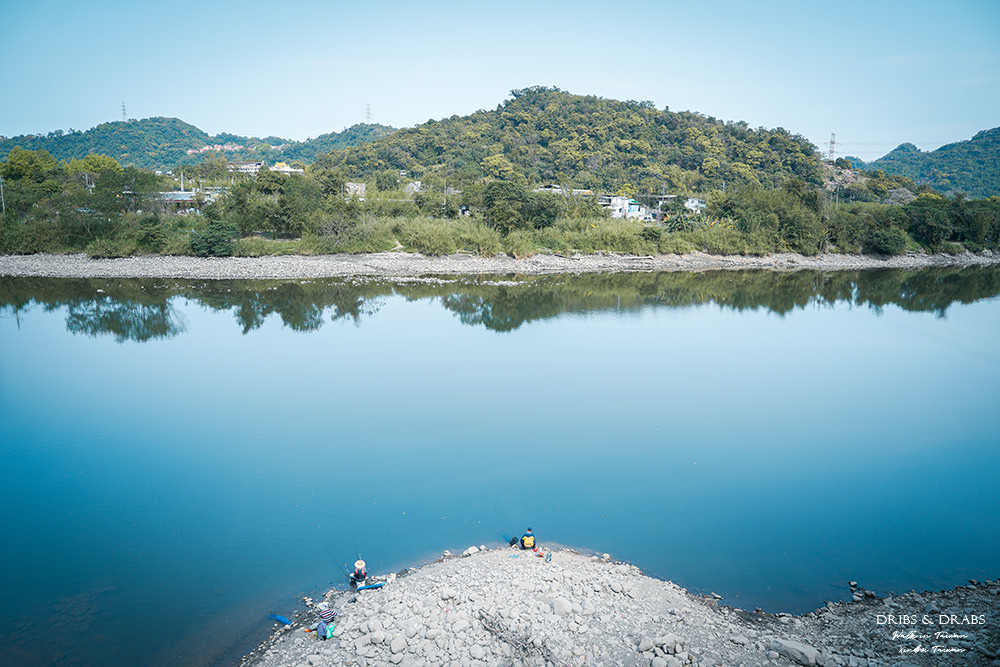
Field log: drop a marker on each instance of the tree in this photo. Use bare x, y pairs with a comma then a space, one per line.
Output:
498, 166
503, 202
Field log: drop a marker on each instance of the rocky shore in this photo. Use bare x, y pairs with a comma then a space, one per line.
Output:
504, 606
389, 264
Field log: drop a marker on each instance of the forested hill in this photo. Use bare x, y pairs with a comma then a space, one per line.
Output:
971, 167
545, 135
163, 143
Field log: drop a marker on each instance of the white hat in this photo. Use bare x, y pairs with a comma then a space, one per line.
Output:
359, 565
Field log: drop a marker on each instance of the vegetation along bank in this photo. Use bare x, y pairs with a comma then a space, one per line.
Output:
546, 172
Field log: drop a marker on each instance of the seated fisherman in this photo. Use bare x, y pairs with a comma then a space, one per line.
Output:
528, 540
359, 575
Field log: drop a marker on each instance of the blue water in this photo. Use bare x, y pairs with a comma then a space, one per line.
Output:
198, 481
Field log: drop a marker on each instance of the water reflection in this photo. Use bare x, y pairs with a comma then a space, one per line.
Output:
141, 310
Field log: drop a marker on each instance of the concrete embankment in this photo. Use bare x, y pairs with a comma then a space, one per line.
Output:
504, 606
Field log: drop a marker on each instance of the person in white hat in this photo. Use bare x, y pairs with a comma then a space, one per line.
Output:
359, 575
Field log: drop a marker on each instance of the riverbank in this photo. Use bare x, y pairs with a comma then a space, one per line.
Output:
505, 606
391, 264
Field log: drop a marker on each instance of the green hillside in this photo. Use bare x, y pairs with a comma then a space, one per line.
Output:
545, 135
163, 143
307, 151
971, 167
150, 143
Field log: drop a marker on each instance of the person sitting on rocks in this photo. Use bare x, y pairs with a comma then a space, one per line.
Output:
359, 575
528, 540
325, 625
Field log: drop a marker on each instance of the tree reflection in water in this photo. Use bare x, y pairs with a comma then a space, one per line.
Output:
142, 309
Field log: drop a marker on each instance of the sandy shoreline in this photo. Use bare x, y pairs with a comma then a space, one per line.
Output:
503, 606
389, 264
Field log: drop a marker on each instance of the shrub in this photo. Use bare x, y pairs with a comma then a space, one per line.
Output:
427, 235
28, 237
258, 246
177, 243
150, 234
217, 240
520, 244
674, 244
886, 242
477, 237
111, 247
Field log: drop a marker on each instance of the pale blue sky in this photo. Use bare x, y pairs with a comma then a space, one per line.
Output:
875, 72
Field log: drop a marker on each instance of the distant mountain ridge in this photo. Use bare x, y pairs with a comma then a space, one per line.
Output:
164, 143
545, 135
971, 167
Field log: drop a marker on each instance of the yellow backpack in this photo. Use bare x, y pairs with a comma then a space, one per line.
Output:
528, 541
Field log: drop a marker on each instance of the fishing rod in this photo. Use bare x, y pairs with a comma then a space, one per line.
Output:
356, 552
339, 566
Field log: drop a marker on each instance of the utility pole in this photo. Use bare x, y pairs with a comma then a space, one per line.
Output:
2, 202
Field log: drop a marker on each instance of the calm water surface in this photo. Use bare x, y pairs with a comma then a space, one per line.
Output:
180, 459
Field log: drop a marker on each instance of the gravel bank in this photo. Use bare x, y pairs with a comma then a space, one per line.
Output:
504, 606
390, 264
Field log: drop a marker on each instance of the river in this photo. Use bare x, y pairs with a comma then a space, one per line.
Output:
182, 458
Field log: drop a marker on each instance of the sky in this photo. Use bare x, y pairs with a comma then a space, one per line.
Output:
877, 73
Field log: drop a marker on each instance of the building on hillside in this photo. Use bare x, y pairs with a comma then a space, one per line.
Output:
558, 190
184, 201
356, 190
283, 168
245, 167
623, 207
696, 205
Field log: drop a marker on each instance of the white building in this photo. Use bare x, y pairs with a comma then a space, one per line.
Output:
623, 207
696, 205
245, 167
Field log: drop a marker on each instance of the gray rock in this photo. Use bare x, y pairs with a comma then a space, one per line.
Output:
658, 662
397, 645
562, 606
377, 637
645, 644
795, 651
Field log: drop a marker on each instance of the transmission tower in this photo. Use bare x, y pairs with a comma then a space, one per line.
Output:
368, 114
123, 111
833, 146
